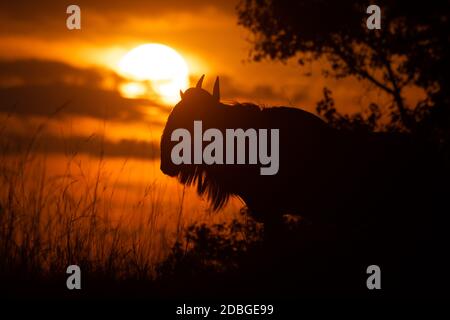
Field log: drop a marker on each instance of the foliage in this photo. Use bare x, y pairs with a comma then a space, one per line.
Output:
210, 249
411, 49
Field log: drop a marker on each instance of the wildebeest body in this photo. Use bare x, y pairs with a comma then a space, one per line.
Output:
367, 198
325, 175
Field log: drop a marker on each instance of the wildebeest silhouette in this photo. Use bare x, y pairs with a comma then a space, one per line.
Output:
365, 198
325, 175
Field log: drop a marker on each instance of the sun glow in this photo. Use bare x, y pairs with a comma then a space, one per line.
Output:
154, 70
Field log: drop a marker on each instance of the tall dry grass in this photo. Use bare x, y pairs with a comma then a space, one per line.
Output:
81, 216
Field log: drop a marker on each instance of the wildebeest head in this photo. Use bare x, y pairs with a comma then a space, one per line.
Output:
196, 104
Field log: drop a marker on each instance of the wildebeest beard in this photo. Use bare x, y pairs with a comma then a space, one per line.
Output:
208, 184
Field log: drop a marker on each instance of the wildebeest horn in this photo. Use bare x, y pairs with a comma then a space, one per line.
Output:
200, 81
181, 94
216, 90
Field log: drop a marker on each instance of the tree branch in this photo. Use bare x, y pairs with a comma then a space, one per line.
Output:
360, 71
397, 94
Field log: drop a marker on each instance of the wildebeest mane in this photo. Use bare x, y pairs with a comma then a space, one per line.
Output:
209, 181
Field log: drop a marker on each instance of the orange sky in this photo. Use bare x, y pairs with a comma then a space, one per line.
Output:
43, 66
79, 62
205, 33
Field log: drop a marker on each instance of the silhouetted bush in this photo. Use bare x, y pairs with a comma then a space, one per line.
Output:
215, 248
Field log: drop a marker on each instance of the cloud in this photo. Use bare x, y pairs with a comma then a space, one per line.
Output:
50, 8
264, 94
33, 71
37, 16
81, 101
39, 88
15, 144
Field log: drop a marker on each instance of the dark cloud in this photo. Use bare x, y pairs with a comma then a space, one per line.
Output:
263, 94
39, 88
38, 72
30, 88
48, 8
93, 146
38, 15
80, 101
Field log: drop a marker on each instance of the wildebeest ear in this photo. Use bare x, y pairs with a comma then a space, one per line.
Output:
181, 94
216, 90
200, 81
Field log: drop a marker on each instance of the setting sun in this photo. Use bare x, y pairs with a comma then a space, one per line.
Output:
154, 70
